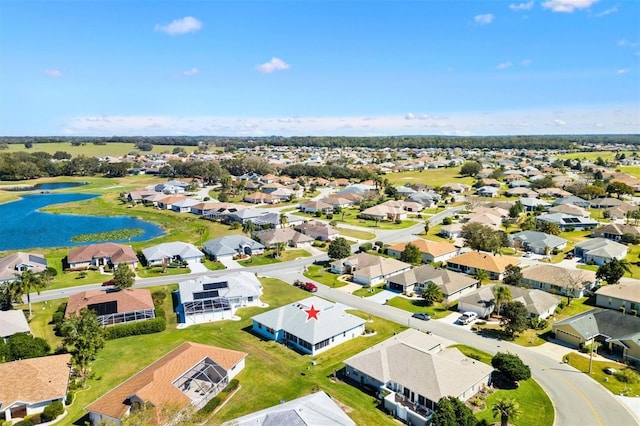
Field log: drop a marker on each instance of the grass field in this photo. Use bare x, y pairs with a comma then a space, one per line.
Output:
535, 405
320, 274
436, 310
431, 177
591, 156
272, 371
616, 386
92, 150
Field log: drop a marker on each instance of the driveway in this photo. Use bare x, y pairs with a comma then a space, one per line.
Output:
196, 266
229, 263
382, 297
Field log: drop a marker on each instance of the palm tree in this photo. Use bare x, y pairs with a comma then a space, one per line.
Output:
501, 294
283, 220
431, 293
25, 284
506, 408
249, 227
626, 266
481, 275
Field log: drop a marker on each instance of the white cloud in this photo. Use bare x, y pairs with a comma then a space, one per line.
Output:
609, 11
618, 119
526, 62
521, 6
188, 24
623, 70
504, 65
412, 116
275, 64
192, 71
53, 73
484, 19
568, 6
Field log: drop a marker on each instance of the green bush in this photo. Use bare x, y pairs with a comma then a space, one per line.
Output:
213, 403
70, 396
158, 297
233, 384
366, 247
155, 325
52, 411
24, 423
160, 313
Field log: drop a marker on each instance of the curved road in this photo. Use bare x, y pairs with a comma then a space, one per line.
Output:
578, 400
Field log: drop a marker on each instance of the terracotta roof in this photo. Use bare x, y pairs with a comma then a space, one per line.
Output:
34, 380
128, 300
117, 252
434, 248
154, 384
486, 261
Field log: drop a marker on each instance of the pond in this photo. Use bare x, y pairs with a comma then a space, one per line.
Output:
23, 227
42, 186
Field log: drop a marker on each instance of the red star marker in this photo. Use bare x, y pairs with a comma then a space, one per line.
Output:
312, 313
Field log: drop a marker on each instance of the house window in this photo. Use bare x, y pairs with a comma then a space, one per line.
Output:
259, 326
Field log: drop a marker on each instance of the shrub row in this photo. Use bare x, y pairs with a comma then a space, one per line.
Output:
155, 325
220, 398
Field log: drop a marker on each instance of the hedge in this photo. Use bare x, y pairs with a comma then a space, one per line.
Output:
220, 398
155, 325
52, 411
233, 384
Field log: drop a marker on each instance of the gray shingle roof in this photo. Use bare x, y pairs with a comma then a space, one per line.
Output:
230, 245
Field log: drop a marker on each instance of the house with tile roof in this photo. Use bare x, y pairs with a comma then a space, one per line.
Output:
617, 332
558, 280
261, 198
113, 307
625, 294
170, 252
316, 206
190, 375
470, 262
368, 269
317, 230
316, 409
29, 385
100, 255
414, 370
539, 304
288, 236
13, 265
13, 322
570, 209
206, 299
452, 284
431, 251
310, 326
615, 231
599, 251
232, 245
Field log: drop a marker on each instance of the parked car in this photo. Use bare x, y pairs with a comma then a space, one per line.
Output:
309, 286
110, 282
422, 316
467, 318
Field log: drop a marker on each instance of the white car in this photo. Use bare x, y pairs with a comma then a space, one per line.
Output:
467, 318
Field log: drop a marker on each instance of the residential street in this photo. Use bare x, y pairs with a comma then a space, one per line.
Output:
578, 400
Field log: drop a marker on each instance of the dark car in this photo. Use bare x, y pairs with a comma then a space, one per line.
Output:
110, 282
421, 316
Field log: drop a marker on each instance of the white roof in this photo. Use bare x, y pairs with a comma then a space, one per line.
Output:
12, 322
239, 284
332, 319
177, 248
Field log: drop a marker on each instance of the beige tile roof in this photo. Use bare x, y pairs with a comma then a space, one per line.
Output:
626, 291
557, 275
133, 299
154, 384
434, 248
118, 253
8, 264
486, 261
34, 380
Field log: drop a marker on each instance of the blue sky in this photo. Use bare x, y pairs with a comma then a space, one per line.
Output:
362, 68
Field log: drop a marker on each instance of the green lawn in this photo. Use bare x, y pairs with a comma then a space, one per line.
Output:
611, 382
590, 155
436, 311
156, 271
535, 405
92, 150
288, 374
431, 177
351, 218
320, 274
353, 233
368, 291
631, 170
